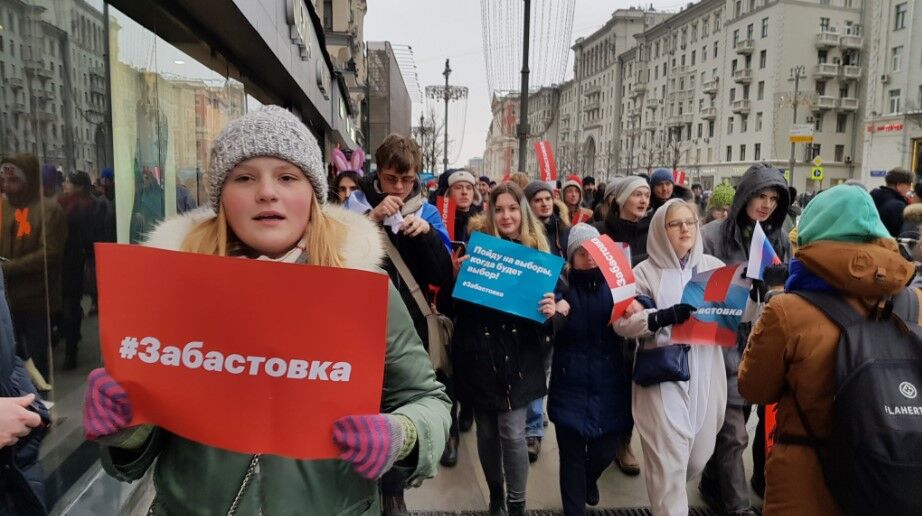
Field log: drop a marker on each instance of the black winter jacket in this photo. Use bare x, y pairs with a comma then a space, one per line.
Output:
590, 389
890, 205
633, 233
425, 255
22, 482
557, 235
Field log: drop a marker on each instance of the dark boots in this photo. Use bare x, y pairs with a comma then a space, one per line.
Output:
450, 455
516, 508
497, 500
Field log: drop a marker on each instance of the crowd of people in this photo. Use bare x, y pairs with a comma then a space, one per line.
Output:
598, 381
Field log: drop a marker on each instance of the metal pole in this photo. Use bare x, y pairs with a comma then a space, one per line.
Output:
796, 71
446, 73
523, 95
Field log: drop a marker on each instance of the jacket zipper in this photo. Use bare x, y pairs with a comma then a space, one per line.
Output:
252, 470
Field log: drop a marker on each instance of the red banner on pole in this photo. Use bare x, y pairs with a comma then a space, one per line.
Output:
244, 355
446, 207
679, 177
546, 163
616, 267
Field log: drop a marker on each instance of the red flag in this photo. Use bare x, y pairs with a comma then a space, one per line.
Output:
679, 177
446, 208
616, 268
546, 163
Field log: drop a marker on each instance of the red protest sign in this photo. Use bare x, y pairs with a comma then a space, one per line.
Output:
244, 355
446, 207
546, 163
616, 267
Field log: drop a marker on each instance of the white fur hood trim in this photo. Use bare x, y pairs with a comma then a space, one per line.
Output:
362, 247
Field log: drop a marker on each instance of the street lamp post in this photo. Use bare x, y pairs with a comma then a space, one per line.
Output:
523, 96
796, 75
446, 93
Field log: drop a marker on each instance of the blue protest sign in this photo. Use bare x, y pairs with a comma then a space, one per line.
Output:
506, 276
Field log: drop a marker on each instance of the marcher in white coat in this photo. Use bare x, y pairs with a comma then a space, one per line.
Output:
677, 421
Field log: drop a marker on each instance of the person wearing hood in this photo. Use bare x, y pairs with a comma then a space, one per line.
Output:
268, 162
572, 194
912, 220
664, 188
791, 357
392, 198
677, 420
890, 199
761, 196
589, 400
552, 213
34, 231
628, 218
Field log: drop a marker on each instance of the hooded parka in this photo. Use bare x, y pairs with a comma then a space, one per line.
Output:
677, 421
192, 479
728, 240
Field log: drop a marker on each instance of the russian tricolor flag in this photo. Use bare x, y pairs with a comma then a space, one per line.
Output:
761, 254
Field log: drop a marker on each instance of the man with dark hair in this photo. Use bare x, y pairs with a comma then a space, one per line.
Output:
589, 188
890, 199
392, 197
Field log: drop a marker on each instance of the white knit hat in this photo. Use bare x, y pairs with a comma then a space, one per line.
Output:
271, 131
461, 175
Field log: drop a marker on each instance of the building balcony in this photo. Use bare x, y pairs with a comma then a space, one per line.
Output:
633, 113
19, 108
638, 89
592, 90
741, 106
851, 72
848, 104
590, 104
632, 131
823, 102
826, 39
47, 116
851, 42
710, 87
16, 83
679, 120
709, 113
651, 102
825, 71
44, 95
650, 124
38, 69
745, 46
743, 75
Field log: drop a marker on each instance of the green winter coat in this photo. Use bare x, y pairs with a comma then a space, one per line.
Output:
192, 479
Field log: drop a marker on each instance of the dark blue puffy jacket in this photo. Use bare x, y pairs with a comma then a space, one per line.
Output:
590, 389
22, 491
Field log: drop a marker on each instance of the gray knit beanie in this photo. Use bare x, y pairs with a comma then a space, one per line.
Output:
271, 131
532, 189
627, 186
578, 235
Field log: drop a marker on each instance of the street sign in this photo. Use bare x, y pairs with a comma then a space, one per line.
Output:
801, 133
878, 173
816, 173
817, 161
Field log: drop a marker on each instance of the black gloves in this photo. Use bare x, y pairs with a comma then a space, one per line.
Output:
675, 314
758, 291
775, 275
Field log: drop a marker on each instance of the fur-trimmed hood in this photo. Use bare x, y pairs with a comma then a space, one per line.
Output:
913, 213
362, 248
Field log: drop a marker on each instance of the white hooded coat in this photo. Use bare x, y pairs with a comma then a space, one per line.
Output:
677, 421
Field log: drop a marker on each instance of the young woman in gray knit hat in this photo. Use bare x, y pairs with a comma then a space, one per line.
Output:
267, 192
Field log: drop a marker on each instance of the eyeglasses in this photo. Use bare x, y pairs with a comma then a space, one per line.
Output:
393, 180
679, 224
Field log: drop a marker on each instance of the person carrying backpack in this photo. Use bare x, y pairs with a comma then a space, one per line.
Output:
847, 263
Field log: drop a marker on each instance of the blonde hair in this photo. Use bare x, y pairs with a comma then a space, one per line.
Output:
681, 203
323, 238
531, 232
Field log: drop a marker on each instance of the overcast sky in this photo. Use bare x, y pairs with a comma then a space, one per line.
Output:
440, 29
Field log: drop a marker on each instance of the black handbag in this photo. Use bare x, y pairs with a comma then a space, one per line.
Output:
661, 364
